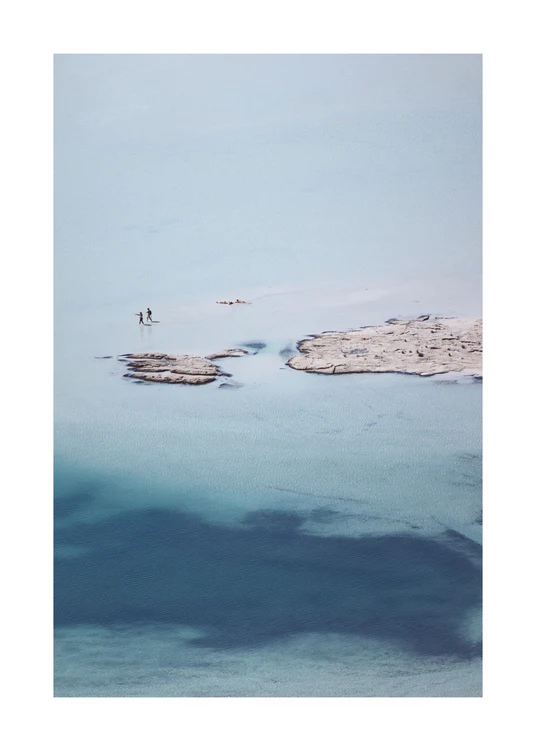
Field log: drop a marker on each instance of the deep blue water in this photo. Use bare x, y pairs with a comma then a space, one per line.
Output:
266, 579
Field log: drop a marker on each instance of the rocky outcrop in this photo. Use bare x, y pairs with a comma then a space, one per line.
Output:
424, 346
158, 367
171, 377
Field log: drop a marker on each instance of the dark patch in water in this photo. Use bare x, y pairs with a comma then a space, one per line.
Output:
287, 351
265, 579
105, 357
254, 345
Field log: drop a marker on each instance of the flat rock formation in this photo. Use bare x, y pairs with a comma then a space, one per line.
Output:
162, 368
423, 346
228, 353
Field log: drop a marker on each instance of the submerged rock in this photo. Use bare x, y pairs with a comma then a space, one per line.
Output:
419, 346
230, 385
287, 350
255, 345
228, 353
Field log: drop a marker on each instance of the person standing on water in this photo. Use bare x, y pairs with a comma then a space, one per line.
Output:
149, 314
140, 314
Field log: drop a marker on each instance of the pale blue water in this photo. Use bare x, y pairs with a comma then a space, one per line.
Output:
301, 535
